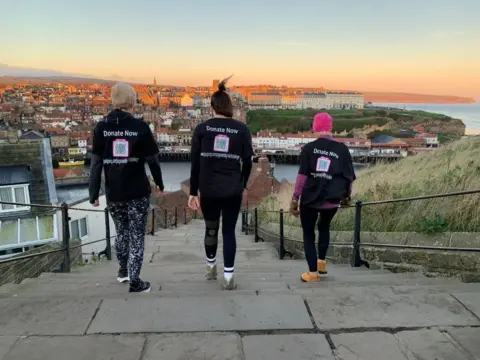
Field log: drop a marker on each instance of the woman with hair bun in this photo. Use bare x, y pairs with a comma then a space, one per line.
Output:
221, 164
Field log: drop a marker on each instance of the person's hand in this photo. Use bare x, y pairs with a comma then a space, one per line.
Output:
96, 203
294, 208
193, 203
158, 192
346, 202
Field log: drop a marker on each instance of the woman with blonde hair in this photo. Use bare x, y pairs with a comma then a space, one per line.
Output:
122, 145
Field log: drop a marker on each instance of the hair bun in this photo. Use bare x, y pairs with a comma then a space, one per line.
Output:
222, 85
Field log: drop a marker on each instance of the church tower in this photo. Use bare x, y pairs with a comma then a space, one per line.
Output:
155, 81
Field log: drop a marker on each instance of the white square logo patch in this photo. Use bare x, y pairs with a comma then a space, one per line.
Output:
120, 148
323, 164
221, 143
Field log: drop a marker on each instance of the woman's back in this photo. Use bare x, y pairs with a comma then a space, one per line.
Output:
219, 147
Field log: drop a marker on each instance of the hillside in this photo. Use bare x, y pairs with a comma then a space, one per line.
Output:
347, 121
453, 168
394, 97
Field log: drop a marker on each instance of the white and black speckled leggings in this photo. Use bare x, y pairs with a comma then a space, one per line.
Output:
130, 218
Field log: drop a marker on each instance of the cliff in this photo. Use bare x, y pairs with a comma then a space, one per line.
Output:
394, 97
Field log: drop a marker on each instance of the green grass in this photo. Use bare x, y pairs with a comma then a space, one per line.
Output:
293, 121
455, 167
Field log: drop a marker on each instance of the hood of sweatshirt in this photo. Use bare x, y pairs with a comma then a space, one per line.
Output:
118, 116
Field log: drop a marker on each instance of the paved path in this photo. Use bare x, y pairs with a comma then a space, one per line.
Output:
352, 314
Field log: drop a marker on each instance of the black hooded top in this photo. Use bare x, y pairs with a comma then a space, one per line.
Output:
121, 146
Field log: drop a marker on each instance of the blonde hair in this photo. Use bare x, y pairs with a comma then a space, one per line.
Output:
123, 96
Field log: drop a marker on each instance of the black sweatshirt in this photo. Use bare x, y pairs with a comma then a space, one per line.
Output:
328, 166
221, 158
121, 146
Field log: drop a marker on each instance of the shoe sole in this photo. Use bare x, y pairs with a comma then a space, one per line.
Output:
123, 280
229, 286
143, 291
323, 272
305, 281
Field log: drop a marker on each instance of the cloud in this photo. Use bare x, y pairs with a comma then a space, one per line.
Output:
293, 43
448, 34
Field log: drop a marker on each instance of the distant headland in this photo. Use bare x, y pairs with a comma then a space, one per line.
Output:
397, 97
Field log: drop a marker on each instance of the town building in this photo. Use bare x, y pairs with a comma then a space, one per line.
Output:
265, 100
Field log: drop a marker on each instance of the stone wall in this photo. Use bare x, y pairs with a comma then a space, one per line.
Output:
17, 271
434, 262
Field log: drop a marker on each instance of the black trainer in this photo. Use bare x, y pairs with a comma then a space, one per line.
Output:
123, 276
140, 286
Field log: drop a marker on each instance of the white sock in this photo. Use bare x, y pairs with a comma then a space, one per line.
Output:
211, 262
228, 273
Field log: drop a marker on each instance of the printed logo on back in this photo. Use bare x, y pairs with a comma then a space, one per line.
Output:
221, 143
323, 164
120, 148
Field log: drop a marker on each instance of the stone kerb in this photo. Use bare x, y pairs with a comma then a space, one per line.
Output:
445, 262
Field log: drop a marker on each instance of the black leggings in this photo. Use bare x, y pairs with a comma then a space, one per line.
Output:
308, 218
229, 208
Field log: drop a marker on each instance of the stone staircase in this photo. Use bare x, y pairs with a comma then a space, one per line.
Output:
351, 314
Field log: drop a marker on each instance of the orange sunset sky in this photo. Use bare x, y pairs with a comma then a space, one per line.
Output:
428, 46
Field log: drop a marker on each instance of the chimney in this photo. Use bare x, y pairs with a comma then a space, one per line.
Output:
263, 165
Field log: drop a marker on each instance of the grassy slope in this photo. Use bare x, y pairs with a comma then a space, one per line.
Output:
452, 168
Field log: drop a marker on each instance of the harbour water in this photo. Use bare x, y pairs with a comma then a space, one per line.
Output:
174, 173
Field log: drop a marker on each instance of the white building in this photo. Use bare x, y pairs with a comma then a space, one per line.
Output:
344, 100
88, 226
313, 100
82, 143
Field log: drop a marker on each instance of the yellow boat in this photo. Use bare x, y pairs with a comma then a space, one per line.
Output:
71, 163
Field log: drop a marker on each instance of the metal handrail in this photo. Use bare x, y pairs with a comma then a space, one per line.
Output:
53, 207
356, 260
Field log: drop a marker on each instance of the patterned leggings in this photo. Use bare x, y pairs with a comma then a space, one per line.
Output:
130, 218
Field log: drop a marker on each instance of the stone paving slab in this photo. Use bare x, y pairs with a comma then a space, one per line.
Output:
390, 311
470, 301
188, 314
287, 347
431, 344
208, 346
78, 348
6, 343
468, 339
369, 346
46, 317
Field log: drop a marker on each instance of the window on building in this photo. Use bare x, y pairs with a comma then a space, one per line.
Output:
79, 228
14, 193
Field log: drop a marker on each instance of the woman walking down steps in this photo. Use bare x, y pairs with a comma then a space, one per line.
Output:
121, 146
324, 181
222, 154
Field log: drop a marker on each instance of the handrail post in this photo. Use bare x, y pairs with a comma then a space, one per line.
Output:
108, 248
185, 215
243, 221
166, 218
152, 232
255, 219
356, 260
65, 239
176, 214
282, 237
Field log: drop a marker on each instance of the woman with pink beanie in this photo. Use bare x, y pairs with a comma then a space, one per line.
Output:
324, 181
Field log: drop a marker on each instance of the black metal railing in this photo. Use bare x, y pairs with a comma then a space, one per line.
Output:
66, 247
250, 222
159, 218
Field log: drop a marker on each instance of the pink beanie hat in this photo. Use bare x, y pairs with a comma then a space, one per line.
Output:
322, 122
